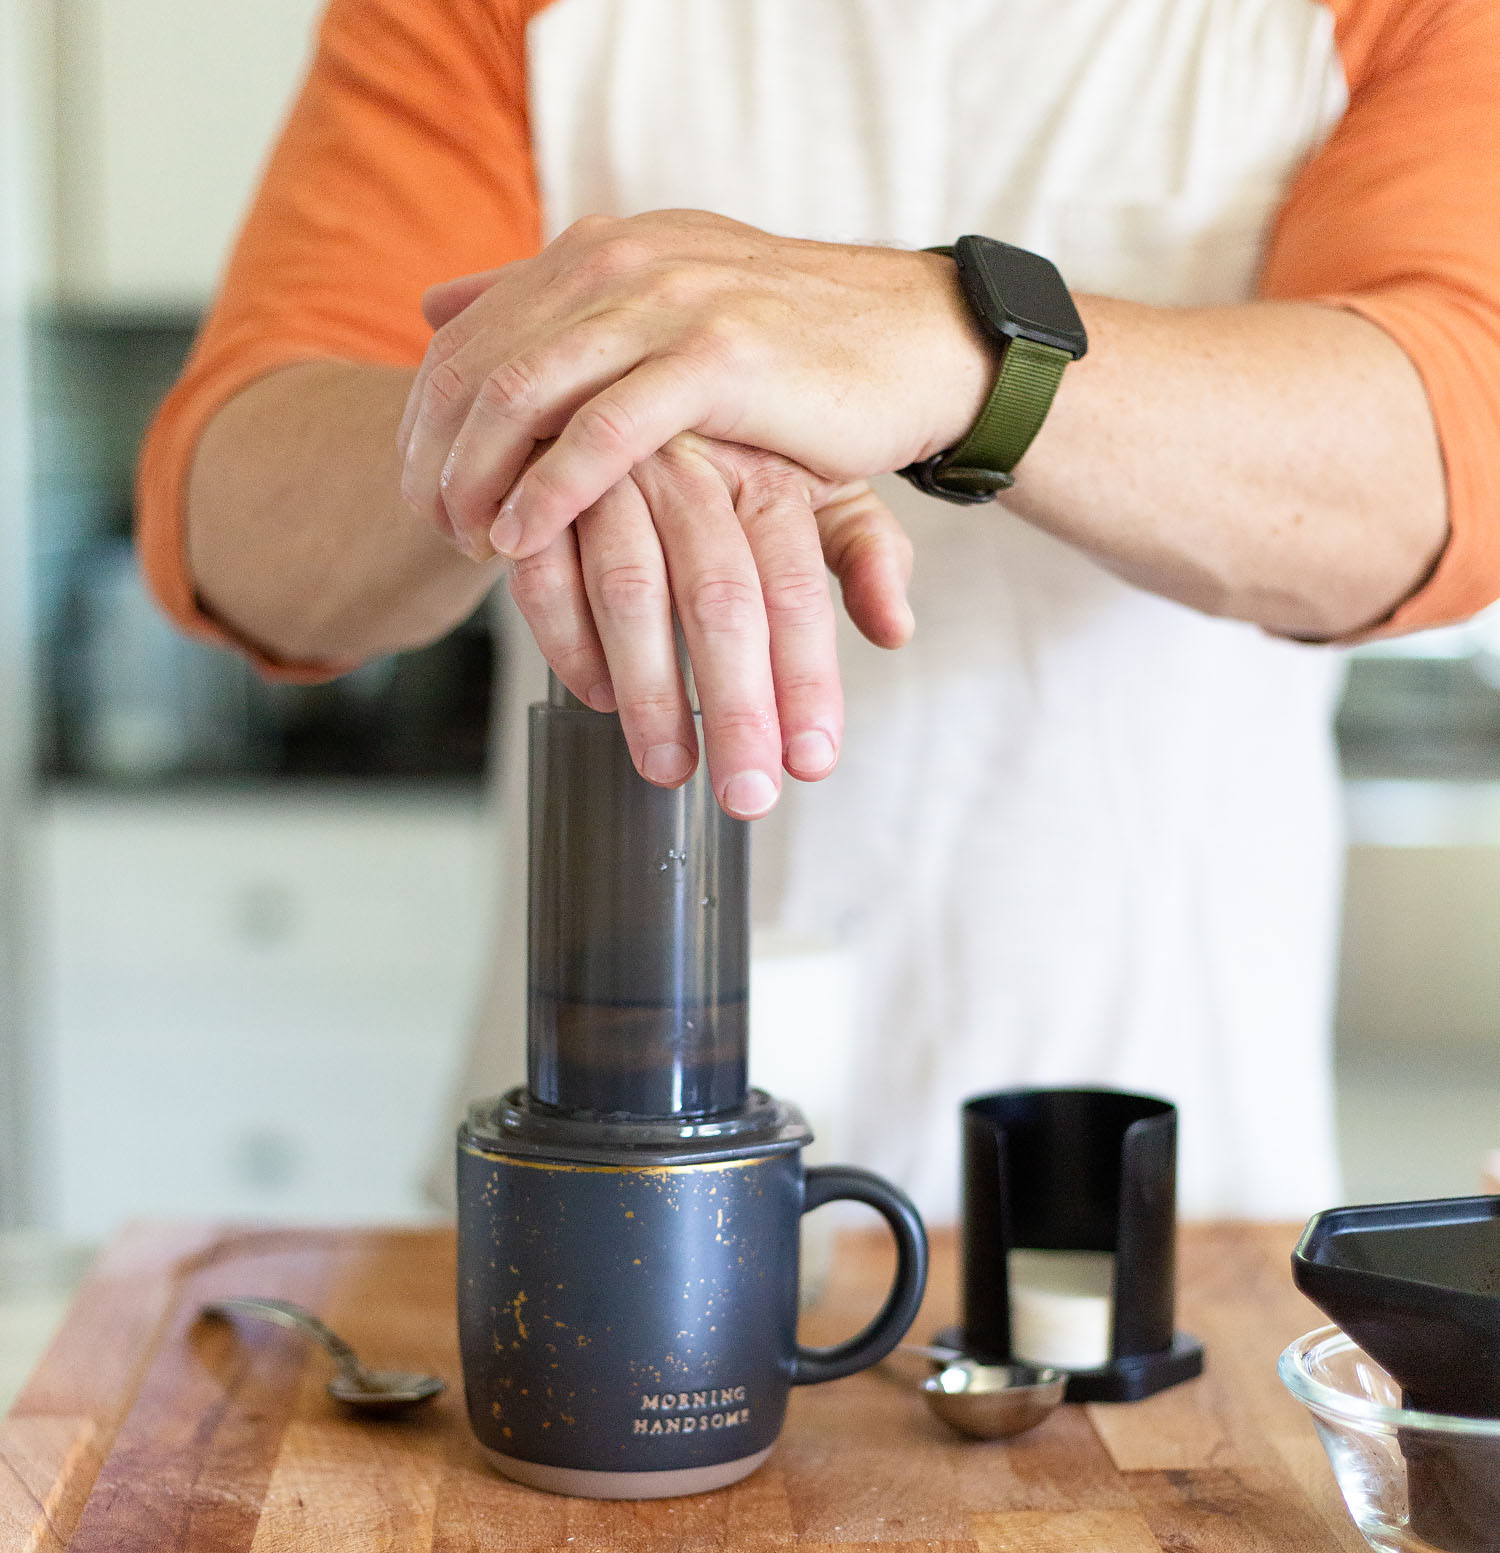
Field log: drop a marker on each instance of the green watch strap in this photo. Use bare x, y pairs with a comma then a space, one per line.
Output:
1027, 382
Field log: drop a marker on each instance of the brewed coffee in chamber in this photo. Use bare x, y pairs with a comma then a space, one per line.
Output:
607, 1060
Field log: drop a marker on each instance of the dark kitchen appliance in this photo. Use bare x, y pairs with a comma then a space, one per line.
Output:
628, 1220
1417, 1286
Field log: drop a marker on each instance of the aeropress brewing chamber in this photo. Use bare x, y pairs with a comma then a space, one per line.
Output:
628, 1220
638, 941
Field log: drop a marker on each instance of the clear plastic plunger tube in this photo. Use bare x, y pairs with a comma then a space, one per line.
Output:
638, 931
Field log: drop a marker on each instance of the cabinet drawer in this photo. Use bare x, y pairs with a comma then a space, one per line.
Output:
254, 1007
288, 1128
143, 889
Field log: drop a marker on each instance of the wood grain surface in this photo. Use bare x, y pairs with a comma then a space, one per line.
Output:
145, 1430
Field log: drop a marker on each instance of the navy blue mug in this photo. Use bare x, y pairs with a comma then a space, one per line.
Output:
628, 1305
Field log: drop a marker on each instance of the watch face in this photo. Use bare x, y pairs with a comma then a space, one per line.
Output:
1019, 293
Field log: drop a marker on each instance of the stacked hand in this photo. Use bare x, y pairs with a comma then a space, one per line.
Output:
681, 410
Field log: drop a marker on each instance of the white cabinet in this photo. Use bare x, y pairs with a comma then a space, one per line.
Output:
1419, 968
16, 561
165, 112
253, 1007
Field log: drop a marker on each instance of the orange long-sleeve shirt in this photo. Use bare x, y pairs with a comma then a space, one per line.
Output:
410, 158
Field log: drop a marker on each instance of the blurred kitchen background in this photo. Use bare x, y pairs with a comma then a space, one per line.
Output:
241, 925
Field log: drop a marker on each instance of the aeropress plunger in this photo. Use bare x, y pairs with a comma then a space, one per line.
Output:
628, 1220
1417, 1286
639, 955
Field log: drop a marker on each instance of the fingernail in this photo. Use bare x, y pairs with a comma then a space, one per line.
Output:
810, 753
408, 493
505, 536
602, 697
749, 794
475, 548
505, 532
666, 763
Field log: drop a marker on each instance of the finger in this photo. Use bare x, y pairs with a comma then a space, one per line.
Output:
778, 521
625, 576
436, 407
603, 441
549, 591
444, 302
521, 401
448, 339
457, 321
870, 554
723, 614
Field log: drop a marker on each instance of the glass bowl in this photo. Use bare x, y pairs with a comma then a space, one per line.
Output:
1414, 1482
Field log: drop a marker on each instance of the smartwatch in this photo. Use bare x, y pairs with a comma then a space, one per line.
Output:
1022, 303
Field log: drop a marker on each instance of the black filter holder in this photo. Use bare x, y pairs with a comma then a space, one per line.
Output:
1077, 1170
1417, 1286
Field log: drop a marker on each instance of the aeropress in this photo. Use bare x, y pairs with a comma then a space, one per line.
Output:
628, 1220
1417, 1286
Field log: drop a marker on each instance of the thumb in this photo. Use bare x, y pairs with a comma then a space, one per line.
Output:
868, 551
444, 302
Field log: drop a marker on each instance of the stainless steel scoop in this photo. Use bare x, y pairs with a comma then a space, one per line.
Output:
371, 1391
993, 1401
983, 1401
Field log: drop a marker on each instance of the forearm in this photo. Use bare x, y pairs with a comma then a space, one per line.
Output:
1274, 462
298, 539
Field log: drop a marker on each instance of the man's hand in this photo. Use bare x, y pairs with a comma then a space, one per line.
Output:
622, 333
736, 538
1276, 462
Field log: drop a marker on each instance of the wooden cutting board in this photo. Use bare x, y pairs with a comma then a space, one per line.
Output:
144, 1430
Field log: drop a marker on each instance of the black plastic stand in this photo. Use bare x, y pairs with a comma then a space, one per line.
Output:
1077, 1170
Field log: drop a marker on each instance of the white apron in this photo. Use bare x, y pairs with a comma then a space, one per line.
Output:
1078, 834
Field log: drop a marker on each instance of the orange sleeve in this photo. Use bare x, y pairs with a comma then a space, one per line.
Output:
406, 160
1397, 217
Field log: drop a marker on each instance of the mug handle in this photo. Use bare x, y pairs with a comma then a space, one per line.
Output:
833, 1183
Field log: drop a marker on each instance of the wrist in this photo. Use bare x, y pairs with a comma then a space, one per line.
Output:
1021, 303
1079, 415
960, 360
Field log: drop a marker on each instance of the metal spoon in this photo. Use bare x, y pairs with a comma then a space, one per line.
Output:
372, 1391
993, 1401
